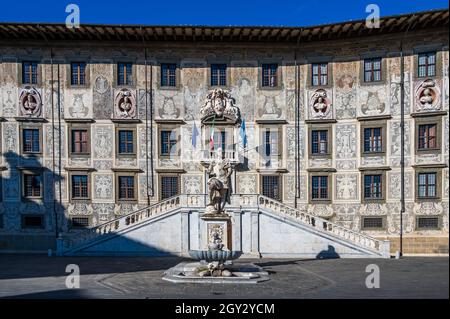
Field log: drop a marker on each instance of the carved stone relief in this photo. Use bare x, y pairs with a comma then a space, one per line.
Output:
124, 104
320, 104
30, 102
427, 96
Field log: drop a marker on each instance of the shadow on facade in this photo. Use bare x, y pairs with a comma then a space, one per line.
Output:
28, 222
330, 253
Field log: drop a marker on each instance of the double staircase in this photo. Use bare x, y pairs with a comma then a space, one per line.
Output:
321, 229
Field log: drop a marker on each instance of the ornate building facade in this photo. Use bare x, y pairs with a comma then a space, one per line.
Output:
101, 121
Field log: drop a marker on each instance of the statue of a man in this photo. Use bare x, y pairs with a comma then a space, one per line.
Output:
218, 184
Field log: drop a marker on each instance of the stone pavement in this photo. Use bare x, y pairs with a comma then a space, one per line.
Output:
37, 276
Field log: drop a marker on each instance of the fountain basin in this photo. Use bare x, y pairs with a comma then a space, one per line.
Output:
215, 255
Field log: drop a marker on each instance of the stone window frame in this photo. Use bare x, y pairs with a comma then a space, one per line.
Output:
168, 174
421, 170
374, 124
171, 127
279, 64
36, 172
29, 125
158, 74
321, 127
24, 216
79, 126
262, 128
428, 120
89, 181
133, 174
416, 222
383, 221
383, 186
425, 49
280, 182
39, 69
227, 74
380, 54
328, 174
115, 80
88, 217
126, 127
330, 71
87, 72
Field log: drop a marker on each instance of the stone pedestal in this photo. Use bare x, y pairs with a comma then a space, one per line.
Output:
220, 223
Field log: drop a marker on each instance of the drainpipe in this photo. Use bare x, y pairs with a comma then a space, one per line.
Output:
146, 121
402, 138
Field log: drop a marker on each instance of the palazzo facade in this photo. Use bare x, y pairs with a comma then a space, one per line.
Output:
100, 121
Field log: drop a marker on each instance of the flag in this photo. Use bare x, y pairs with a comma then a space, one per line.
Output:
195, 133
243, 134
211, 138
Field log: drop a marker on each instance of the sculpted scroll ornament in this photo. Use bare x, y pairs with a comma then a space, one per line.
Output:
125, 104
30, 102
320, 105
321, 210
428, 208
427, 96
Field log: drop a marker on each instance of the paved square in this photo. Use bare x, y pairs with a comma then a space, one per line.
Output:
36, 276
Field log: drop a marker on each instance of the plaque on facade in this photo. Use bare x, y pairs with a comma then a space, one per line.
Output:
125, 104
30, 102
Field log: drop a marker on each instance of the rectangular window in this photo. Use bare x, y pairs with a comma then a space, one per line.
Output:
78, 73
427, 136
427, 223
372, 70
126, 187
319, 187
31, 141
168, 74
319, 140
168, 142
32, 185
271, 186
269, 75
169, 186
427, 185
29, 72
372, 139
218, 74
80, 222
319, 74
33, 221
79, 142
80, 187
125, 74
373, 186
126, 141
270, 142
373, 222
427, 64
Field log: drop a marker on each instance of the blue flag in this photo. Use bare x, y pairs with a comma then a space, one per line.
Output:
243, 134
195, 133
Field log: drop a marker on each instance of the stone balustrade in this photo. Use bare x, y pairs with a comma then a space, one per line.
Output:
322, 224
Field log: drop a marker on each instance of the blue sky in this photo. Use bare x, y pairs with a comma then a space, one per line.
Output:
202, 12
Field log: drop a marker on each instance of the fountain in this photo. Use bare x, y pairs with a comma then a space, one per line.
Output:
214, 264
